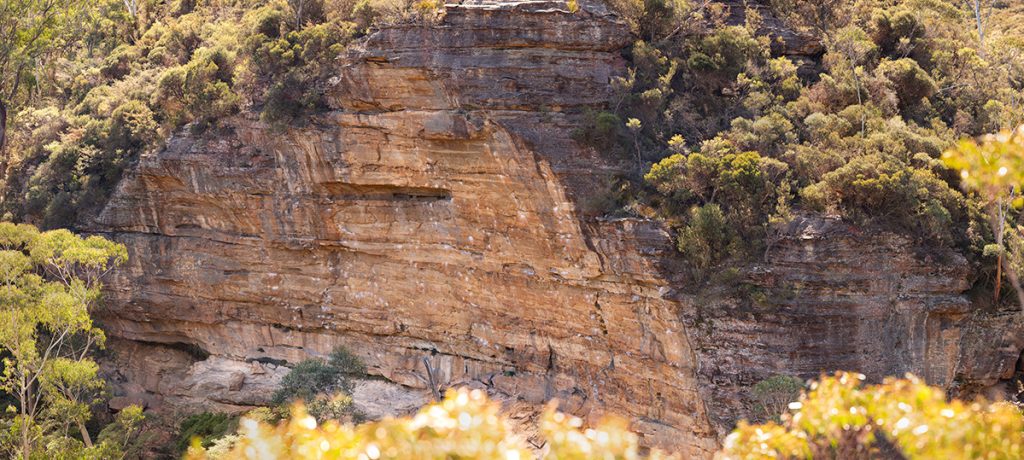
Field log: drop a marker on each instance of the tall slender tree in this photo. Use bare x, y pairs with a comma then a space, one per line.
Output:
49, 282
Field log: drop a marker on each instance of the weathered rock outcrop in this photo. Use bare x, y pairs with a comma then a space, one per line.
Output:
831, 297
432, 215
433, 219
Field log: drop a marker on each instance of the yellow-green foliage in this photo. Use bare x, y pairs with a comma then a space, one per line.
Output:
464, 425
842, 418
838, 417
125, 78
49, 283
992, 166
898, 83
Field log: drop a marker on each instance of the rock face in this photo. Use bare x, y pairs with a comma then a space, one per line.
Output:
431, 217
433, 220
830, 297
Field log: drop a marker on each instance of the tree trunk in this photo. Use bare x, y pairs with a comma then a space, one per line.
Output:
977, 7
25, 445
3, 126
85, 434
999, 275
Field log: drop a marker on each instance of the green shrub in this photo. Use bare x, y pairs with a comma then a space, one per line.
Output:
706, 240
313, 377
306, 12
773, 395
915, 200
723, 54
324, 386
285, 101
910, 82
267, 21
891, 30
603, 131
290, 65
364, 15
207, 427
207, 85
765, 135
306, 380
119, 62
169, 95
175, 43
685, 178
133, 127
345, 363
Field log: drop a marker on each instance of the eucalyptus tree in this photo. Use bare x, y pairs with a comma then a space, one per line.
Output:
49, 283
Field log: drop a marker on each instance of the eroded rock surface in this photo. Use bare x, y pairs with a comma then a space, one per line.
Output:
433, 220
432, 215
831, 297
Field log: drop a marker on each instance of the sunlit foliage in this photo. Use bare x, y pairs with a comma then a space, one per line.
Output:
856, 129
994, 169
840, 417
49, 283
993, 166
464, 425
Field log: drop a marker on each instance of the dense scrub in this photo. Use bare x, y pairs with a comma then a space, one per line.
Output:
119, 77
840, 417
734, 139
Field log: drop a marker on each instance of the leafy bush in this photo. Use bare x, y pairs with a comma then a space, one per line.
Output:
206, 427
731, 198
314, 376
841, 418
725, 53
773, 395
207, 85
133, 127
706, 240
914, 200
119, 62
289, 64
323, 385
464, 425
908, 79
602, 131
307, 379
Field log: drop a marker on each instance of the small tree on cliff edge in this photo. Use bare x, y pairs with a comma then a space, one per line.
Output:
49, 282
994, 168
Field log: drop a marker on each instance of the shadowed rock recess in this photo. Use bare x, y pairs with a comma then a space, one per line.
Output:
433, 215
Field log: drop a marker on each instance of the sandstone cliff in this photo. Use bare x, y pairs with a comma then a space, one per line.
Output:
434, 214
431, 215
